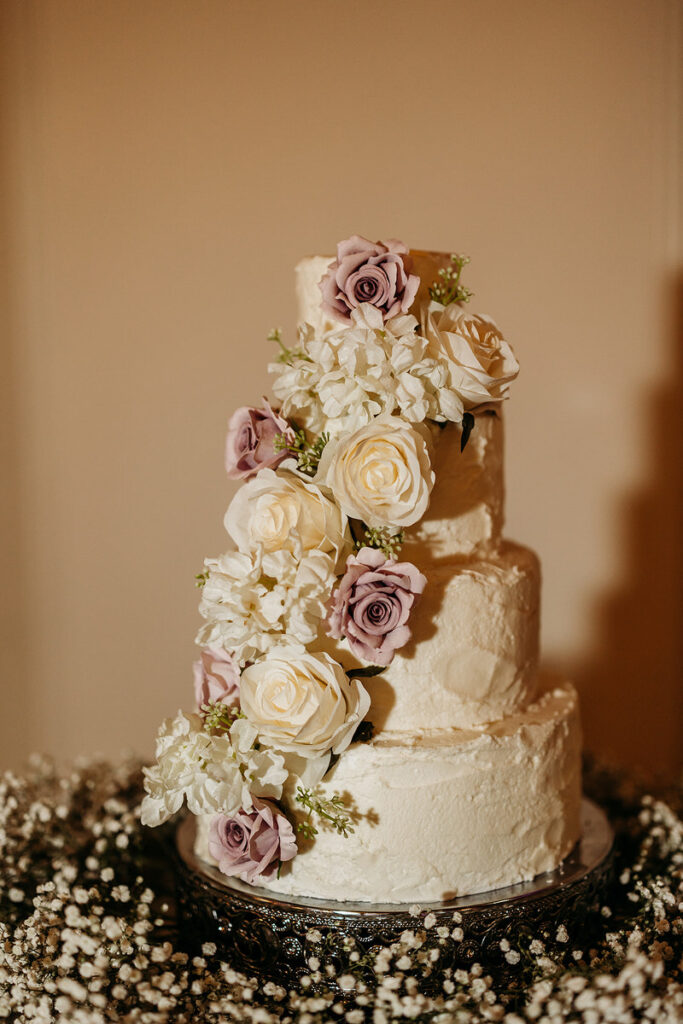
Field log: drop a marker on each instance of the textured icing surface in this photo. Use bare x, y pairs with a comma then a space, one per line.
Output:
465, 513
450, 812
474, 651
307, 274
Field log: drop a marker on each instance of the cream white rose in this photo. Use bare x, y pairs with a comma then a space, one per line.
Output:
380, 474
479, 360
281, 512
302, 702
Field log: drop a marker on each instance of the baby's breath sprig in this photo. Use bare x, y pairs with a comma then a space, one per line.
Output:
219, 717
307, 453
331, 810
447, 288
286, 355
382, 538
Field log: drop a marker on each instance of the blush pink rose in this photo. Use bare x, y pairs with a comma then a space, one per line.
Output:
216, 678
250, 444
374, 272
251, 844
372, 605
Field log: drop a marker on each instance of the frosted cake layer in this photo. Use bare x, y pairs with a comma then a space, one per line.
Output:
465, 513
473, 655
448, 813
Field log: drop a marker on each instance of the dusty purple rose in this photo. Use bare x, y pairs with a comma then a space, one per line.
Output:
250, 444
374, 272
372, 605
216, 677
251, 844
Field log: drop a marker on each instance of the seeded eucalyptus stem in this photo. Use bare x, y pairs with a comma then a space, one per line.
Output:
286, 355
331, 810
382, 538
307, 453
447, 288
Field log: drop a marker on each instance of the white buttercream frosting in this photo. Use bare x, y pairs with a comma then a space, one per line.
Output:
473, 654
465, 513
447, 813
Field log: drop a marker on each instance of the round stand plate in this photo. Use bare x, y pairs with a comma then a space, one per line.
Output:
263, 932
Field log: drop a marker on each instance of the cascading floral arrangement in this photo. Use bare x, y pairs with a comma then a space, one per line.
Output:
313, 598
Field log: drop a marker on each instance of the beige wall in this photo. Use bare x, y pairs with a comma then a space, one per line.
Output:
164, 165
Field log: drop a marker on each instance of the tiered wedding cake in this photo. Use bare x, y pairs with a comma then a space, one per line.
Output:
371, 724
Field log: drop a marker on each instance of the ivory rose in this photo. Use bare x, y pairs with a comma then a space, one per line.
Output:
302, 702
282, 512
479, 361
374, 272
381, 474
251, 844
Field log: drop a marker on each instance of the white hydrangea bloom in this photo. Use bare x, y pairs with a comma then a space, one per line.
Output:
307, 586
343, 378
212, 774
250, 602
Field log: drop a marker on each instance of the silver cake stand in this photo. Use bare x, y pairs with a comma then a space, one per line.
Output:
271, 935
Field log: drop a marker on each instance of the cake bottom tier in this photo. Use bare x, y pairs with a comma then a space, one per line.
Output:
447, 813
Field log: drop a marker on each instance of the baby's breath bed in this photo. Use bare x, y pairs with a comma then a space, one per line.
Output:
88, 932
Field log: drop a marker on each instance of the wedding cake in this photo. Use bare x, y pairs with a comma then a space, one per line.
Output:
371, 723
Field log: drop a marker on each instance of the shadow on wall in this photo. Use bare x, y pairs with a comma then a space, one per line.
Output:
631, 684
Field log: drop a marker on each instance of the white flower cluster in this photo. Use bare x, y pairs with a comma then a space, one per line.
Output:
343, 378
211, 773
251, 601
263, 605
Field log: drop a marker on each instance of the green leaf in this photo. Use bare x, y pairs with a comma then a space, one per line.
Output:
364, 732
367, 672
467, 428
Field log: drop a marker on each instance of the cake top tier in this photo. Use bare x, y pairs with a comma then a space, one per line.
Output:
387, 330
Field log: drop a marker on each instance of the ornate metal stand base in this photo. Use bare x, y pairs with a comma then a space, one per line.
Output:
263, 933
